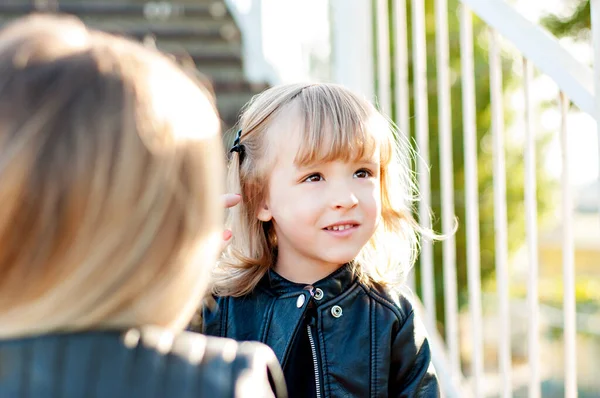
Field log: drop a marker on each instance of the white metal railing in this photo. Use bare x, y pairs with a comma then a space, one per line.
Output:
595, 7
471, 197
575, 81
383, 57
568, 258
447, 191
422, 134
500, 221
531, 223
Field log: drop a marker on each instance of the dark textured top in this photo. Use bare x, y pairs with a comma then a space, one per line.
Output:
148, 363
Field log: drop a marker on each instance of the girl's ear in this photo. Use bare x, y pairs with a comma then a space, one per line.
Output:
264, 214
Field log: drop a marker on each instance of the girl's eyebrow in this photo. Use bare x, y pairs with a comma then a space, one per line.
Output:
316, 165
308, 170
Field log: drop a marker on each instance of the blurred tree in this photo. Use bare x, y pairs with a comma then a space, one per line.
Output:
577, 24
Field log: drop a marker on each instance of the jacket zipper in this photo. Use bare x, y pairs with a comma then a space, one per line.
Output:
315, 362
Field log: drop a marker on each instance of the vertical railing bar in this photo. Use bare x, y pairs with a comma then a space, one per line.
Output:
383, 58
471, 196
447, 184
401, 91
422, 133
532, 238
401, 87
568, 248
595, 18
500, 221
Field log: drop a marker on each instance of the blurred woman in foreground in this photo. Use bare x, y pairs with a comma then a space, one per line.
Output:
110, 218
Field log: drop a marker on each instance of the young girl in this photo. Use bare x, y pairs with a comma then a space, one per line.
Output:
322, 242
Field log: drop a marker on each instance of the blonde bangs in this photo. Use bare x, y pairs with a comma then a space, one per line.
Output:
337, 125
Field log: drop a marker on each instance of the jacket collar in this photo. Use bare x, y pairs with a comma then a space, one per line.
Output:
332, 285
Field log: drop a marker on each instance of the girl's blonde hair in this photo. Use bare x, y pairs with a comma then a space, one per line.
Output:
110, 176
337, 124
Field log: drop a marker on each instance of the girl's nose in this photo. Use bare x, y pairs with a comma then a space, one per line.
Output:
345, 200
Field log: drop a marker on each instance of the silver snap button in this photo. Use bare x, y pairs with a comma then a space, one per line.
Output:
300, 301
336, 311
318, 294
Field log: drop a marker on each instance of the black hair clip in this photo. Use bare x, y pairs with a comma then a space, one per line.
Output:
237, 147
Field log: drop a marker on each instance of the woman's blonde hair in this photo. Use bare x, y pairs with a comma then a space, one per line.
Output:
110, 176
337, 124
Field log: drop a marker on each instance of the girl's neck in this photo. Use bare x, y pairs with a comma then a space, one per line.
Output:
304, 272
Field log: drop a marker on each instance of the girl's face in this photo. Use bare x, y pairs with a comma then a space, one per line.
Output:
323, 214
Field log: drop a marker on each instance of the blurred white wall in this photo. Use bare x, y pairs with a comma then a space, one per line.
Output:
307, 40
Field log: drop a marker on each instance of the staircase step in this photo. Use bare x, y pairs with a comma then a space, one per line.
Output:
236, 86
171, 32
225, 27
128, 22
222, 73
189, 47
148, 9
216, 58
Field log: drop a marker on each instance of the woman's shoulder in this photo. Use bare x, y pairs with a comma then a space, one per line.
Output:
207, 356
247, 362
131, 363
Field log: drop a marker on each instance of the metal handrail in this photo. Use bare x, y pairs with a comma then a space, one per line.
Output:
573, 78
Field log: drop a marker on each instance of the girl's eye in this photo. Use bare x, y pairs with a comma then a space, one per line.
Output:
363, 173
313, 178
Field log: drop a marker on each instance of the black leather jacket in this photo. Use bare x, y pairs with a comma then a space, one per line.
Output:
366, 342
143, 363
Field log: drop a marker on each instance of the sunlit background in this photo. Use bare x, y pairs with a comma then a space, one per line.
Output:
244, 46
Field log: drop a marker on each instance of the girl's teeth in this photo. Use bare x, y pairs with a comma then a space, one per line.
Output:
339, 227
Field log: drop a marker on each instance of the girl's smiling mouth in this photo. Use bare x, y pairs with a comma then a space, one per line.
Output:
342, 228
